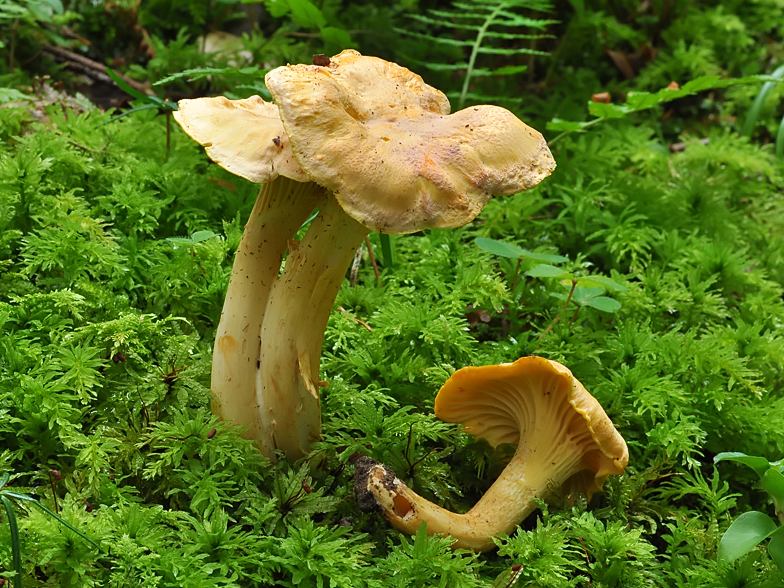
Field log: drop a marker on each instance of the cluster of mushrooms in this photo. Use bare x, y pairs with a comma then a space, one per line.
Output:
372, 147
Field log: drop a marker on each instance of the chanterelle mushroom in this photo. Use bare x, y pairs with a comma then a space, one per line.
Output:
562, 434
396, 161
246, 137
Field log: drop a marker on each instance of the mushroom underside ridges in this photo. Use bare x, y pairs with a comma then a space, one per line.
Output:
245, 137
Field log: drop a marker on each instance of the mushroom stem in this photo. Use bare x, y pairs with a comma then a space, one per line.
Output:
281, 207
531, 474
291, 336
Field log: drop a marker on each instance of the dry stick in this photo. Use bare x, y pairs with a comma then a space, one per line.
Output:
373, 260
354, 273
92, 68
355, 319
54, 493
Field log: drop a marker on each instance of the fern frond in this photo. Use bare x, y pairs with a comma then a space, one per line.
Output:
471, 26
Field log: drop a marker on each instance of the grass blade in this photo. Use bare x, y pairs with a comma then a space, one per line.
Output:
780, 139
51, 514
759, 102
16, 550
387, 251
126, 113
125, 87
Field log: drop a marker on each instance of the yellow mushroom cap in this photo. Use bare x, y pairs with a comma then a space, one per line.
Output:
535, 402
245, 137
384, 142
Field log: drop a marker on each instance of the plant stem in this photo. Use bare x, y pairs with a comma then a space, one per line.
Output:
54, 494
281, 208
293, 330
168, 134
372, 260
475, 51
12, 48
559, 136
517, 271
565, 306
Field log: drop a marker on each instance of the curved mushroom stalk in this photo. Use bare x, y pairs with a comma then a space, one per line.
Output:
383, 142
281, 208
396, 161
561, 431
291, 337
246, 137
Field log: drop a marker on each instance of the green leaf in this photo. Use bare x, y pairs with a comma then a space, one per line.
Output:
336, 37
601, 281
200, 236
499, 248
504, 249
758, 464
604, 304
603, 110
387, 250
570, 126
55, 5
759, 102
637, 101
509, 70
180, 240
551, 257
581, 294
744, 534
12, 95
127, 112
277, 8
26, 498
193, 75
780, 139
776, 550
125, 87
773, 483
546, 271
306, 14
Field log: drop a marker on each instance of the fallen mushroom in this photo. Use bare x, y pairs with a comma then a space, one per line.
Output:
564, 439
246, 137
383, 142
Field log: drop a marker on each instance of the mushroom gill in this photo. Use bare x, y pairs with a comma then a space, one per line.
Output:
563, 437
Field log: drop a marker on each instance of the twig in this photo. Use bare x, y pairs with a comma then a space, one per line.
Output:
66, 32
354, 274
355, 319
92, 68
373, 260
54, 492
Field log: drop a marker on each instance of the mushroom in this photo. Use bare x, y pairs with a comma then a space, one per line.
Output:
392, 159
246, 137
564, 440
384, 144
